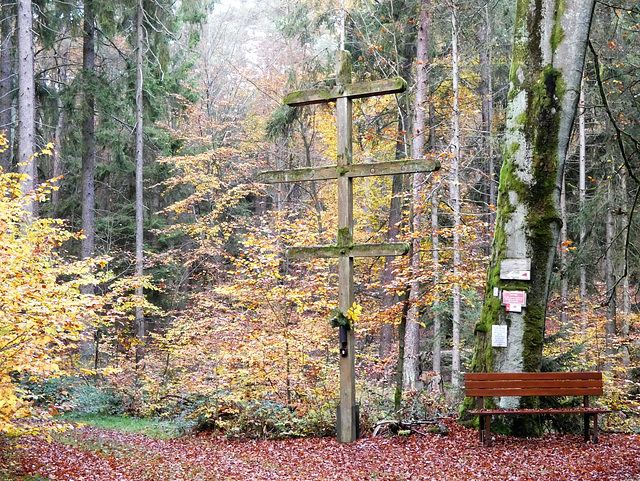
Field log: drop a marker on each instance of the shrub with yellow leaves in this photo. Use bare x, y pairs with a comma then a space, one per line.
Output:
42, 311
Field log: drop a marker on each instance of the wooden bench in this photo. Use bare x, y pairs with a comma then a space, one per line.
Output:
481, 385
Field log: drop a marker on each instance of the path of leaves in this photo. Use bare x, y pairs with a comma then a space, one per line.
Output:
107, 455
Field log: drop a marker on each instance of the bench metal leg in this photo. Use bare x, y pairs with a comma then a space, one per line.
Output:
592, 436
485, 430
586, 428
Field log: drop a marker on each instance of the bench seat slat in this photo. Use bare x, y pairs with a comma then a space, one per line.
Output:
488, 376
591, 391
571, 383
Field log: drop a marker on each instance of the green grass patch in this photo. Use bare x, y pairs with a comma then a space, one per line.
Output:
152, 427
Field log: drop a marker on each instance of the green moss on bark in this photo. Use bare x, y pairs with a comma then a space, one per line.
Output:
292, 97
484, 354
557, 34
345, 239
343, 76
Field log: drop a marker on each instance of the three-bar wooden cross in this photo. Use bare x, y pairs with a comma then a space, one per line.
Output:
345, 250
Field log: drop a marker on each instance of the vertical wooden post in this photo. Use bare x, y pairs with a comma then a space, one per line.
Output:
347, 412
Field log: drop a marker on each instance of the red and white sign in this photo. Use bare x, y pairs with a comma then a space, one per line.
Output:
516, 298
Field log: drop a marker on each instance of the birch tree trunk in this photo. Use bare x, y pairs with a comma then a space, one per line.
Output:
435, 262
610, 232
583, 197
140, 322
454, 191
412, 334
626, 294
26, 103
546, 71
564, 279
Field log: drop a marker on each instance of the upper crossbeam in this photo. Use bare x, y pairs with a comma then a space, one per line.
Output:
355, 90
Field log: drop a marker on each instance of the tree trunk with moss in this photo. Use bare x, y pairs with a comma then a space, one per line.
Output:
548, 57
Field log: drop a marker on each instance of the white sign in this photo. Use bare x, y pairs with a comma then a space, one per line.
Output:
513, 298
515, 269
498, 336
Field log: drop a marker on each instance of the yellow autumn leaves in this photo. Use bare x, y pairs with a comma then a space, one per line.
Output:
41, 309
353, 314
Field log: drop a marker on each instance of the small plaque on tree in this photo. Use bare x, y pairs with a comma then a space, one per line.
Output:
498, 336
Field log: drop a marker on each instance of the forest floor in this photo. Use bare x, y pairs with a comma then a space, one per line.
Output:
96, 454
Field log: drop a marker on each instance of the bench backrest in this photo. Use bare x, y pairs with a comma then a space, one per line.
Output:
534, 384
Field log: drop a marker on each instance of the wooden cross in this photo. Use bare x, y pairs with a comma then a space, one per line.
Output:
345, 250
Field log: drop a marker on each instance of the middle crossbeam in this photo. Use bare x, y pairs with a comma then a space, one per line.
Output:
328, 172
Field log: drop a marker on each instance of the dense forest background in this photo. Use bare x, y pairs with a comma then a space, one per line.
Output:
144, 269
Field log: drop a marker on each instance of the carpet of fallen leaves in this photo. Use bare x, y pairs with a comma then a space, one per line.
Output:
94, 454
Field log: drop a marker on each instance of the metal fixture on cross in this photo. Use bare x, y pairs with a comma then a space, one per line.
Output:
345, 250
